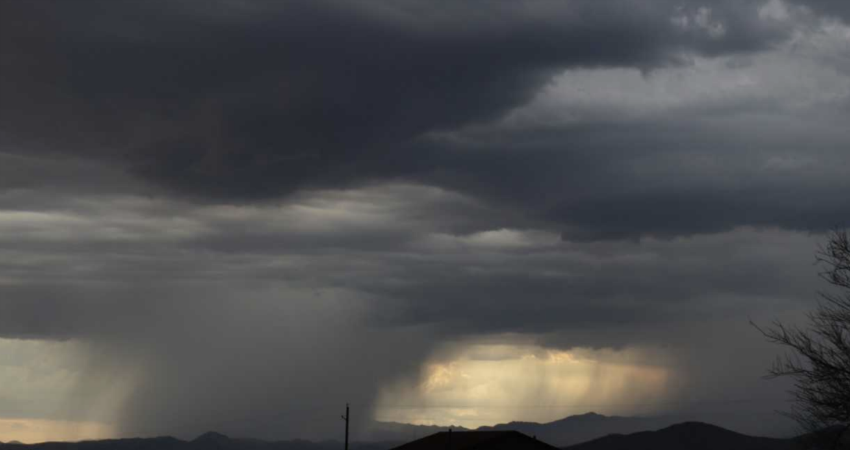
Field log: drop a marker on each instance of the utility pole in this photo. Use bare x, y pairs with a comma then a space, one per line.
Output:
345, 418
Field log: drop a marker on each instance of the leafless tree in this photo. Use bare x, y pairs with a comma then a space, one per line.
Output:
819, 357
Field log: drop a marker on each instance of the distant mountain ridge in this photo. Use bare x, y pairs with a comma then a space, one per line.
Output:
574, 429
401, 432
582, 432
567, 431
703, 436
206, 441
578, 428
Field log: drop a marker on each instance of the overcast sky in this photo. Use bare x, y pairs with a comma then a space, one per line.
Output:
240, 215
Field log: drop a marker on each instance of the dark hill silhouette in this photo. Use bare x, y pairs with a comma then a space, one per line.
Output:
566, 431
688, 435
216, 441
157, 443
584, 427
477, 440
211, 437
401, 432
583, 432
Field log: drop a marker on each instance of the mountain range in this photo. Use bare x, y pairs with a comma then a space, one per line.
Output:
583, 432
563, 432
703, 436
689, 435
207, 441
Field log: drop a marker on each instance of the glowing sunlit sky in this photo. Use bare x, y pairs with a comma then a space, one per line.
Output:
489, 384
240, 215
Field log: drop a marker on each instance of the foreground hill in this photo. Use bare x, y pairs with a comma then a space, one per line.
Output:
691, 436
400, 432
581, 428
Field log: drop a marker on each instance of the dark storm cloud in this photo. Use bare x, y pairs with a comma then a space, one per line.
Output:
247, 100
677, 176
591, 295
107, 267
257, 100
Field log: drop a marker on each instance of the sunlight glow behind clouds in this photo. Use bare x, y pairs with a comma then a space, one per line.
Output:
485, 384
31, 431
40, 382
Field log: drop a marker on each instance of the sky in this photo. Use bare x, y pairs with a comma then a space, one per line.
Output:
239, 215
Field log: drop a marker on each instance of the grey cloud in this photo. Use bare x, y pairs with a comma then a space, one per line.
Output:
262, 100
451, 281
592, 298
215, 332
228, 103
827, 7
677, 176
414, 269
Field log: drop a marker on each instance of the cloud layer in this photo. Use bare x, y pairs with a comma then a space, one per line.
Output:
244, 214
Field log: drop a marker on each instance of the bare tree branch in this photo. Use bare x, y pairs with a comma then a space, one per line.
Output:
819, 356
